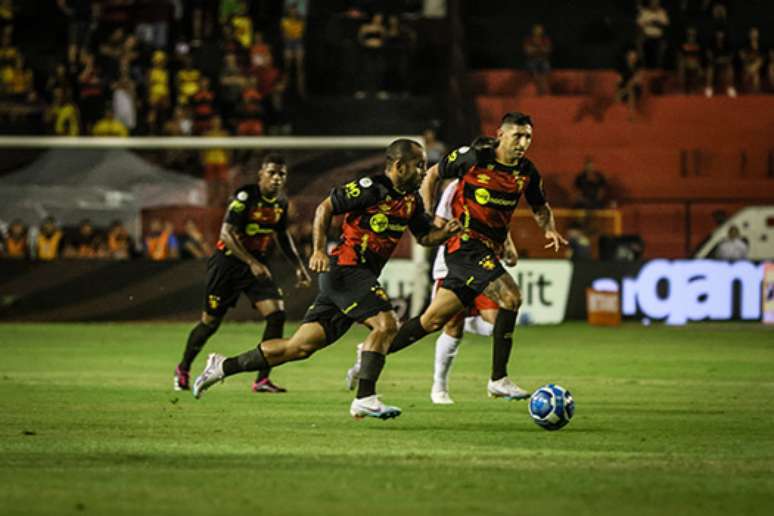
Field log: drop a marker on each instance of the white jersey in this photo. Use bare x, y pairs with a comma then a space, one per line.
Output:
444, 211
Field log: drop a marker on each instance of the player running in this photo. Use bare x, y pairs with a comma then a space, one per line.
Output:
478, 319
256, 216
377, 210
492, 178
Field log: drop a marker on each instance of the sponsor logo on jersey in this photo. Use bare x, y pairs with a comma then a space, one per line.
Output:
242, 196
379, 222
351, 190
236, 206
252, 229
365, 182
482, 196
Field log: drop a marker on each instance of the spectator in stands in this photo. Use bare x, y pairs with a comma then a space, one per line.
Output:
188, 79
720, 66
751, 58
579, 247
17, 81
153, 26
62, 116
251, 111
216, 166
8, 52
80, 25
86, 243
160, 241
434, 147
158, 82
16, 244
232, 83
371, 38
652, 21
90, 91
119, 243
110, 53
109, 125
260, 53
537, 51
592, 187
630, 84
242, 25
192, 242
399, 43
59, 79
125, 99
48, 242
203, 106
181, 124
293, 26
690, 70
733, 247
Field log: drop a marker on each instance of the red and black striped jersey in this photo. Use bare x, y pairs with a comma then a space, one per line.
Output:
375, 217
487, 194
256, 217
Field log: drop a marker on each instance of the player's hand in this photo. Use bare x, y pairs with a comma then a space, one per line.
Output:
452, 227
302, 278
556, 240
319, 262
510, 256
259, 270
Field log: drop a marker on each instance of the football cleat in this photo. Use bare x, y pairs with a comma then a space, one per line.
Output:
182, 379
372, 406
440, 396
351, 379
266, 385
212, 374
505, 388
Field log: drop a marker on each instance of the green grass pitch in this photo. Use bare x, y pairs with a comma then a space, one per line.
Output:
668, 421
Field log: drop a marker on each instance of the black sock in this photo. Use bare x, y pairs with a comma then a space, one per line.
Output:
371, 365
196, 341
409, 333
502, 342
275, 324
252, 360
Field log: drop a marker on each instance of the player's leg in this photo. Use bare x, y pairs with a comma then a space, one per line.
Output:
273, 311
443, 307
197, 338
506, 293
384, 326
310, 337
446, 347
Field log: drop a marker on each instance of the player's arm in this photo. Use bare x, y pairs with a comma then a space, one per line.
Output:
510, 255
541, 210
290, 251
323, 215
232, 238
426, 233
430, 186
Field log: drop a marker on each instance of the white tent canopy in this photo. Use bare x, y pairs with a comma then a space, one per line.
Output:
103, 185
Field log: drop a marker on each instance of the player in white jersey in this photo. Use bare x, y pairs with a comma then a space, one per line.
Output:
479, 319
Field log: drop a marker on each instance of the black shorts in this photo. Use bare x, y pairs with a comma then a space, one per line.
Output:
471, 268
347, 295
227, 277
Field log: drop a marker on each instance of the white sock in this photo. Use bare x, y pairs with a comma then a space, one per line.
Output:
359, 355
478, 326
445, 351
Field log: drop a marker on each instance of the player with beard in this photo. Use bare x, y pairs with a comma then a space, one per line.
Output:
256, 216
377, 210
492, 177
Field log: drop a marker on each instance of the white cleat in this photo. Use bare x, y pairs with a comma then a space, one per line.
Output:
351, 380
212, 374
440, 396
505, 388
372, 406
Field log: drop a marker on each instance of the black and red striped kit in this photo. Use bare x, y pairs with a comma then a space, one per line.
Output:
486, 196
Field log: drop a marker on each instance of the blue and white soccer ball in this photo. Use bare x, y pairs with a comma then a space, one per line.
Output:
551, 406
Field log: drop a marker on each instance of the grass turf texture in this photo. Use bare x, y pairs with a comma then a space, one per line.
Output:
668, 421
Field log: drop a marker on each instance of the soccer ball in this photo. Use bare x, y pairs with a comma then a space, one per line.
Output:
551, 407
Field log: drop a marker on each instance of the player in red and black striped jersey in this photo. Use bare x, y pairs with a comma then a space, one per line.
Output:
377, 210
493, 174
256, 216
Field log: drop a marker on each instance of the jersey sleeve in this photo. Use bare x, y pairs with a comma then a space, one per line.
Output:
444, 208
535, 195
457, 162
420, 223
355, 195
236, 213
